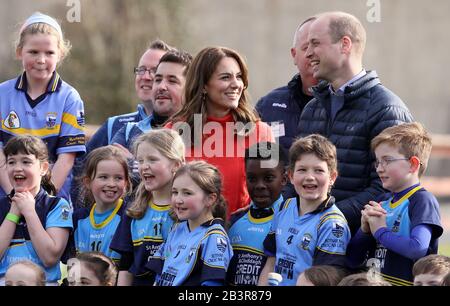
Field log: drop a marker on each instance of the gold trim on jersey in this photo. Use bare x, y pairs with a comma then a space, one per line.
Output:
71, 120
246, 248
396, 281
53, 131
406, 196
328, 252
261, 220
157, 207
107, 220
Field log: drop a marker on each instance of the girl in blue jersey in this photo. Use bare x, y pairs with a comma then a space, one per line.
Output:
106, 180
34, 225
309, 230
148, 220
197, 251
39, 103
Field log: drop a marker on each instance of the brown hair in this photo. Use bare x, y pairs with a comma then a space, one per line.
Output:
432, 264
362, 279
64, 46
159, 44
40, 273
446, 280
178, 57
209, 179
314, 144
344, 24
198, 75
31, 145
324, 275
411, 139
170, 145
90, 168
103, 267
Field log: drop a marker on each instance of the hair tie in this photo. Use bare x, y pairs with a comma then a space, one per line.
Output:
39, 17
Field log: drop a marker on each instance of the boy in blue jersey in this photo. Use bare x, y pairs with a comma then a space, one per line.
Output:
266, 176
397, 232
41, 104
309, 230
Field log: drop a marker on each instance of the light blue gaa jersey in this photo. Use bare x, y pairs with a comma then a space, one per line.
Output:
94, 231
142, 237
58, 118
52, 212
299, 242
247, 235
189, 258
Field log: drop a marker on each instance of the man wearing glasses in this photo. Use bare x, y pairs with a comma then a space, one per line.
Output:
143, 83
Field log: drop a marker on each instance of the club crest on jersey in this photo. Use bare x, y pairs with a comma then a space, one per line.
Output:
396, 225
338, 230
306, 240
80, 118
65, 211
50, 120
12, 121
221, 244
191, 254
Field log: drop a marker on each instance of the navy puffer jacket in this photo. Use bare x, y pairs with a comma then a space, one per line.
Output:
368, 109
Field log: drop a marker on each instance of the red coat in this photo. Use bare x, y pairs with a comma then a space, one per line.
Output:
217, 149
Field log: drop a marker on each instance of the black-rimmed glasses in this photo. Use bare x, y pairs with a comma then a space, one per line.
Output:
141, 70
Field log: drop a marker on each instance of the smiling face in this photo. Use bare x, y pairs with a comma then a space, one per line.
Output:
156, 170
325, 56
25, 172
224, 88
311, 179
264, 184
189, 201
168, 88
143, 84
40, 56
109, 183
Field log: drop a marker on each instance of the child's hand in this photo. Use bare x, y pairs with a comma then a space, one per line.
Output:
24, 202
365, 228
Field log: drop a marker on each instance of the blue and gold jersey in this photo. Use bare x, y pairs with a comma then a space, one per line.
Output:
247, 235
190, 258
94, 231
142, 237
52, 212
57, 117
418, 206
299, 242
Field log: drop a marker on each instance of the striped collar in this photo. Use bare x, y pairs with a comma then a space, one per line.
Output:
53, 85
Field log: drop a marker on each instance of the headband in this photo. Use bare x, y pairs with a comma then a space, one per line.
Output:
41, 18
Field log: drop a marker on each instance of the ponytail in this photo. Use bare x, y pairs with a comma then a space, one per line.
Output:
47, 183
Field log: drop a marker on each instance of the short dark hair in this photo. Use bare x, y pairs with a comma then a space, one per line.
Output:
266, 151
178, 57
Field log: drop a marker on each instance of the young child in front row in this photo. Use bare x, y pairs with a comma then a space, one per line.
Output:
309, 230
91, 269
40, 103
148, 219
25, 273
397, 232
105, 180
431, 270
34, 225
197, 251
266, 176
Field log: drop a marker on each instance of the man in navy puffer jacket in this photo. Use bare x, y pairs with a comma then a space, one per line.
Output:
350, 107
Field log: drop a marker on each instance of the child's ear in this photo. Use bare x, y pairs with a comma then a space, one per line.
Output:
44, 168
284, 178
211, 199
176, 166
86, 182
333, 177
290, 176
19, 53
415, 163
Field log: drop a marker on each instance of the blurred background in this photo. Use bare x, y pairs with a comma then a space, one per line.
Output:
408, 45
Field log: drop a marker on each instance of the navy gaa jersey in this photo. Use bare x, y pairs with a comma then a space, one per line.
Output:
299, 242
52, 212
94, 231
247, 235
57, 117
142, 237
189, 258
131, 130
416, 207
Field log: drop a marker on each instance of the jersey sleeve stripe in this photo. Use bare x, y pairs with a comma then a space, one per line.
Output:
71, 120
